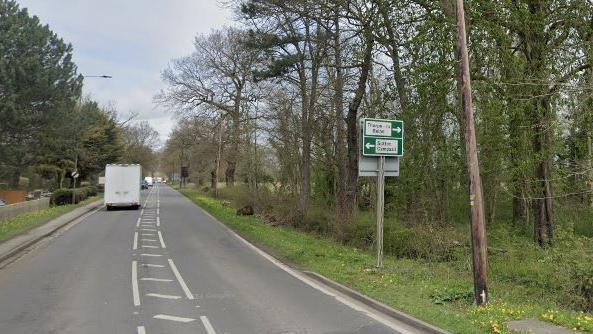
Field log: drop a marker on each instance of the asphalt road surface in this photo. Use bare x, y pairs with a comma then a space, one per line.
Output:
168, 268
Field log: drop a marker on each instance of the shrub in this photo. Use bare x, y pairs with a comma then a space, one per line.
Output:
91, 190
64, 196
430, 242
582, 293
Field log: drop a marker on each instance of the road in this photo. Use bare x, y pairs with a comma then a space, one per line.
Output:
168, 268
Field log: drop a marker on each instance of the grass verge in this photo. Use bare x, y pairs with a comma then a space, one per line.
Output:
437, 292
22, 223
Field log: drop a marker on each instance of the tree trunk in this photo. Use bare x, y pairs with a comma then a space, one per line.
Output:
213, 180
229, 174
343, 215
590, 159
15, 178
233, 153
392, 47
349, 204
544, 219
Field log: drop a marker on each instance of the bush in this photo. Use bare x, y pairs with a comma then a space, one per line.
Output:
429, 242
91, 191
582, 293
64, 196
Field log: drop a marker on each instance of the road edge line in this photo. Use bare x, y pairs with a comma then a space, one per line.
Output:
377, 305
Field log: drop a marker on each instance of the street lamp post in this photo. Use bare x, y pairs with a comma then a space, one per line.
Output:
75, 173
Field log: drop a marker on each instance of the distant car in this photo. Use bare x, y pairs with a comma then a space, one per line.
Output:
2, 203
144, 184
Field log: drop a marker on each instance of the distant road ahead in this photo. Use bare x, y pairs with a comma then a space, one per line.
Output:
168, 268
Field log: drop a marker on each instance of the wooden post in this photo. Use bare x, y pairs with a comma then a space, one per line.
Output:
219, 154
478, 230
590, 158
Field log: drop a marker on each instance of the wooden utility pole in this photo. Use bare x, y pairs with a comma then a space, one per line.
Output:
478, 230
590, 167
219, 153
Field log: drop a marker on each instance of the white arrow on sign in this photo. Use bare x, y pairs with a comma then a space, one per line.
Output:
368, 146
398, 130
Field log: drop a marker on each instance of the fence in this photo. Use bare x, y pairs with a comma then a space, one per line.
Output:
13, 210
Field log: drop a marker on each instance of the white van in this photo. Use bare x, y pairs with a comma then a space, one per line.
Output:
149, 181
122, 186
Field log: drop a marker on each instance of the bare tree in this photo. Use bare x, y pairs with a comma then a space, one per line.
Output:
213, 80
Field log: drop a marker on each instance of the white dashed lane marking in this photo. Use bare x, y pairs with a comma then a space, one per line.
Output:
135, 245
155, 255
188, 293
141, 330
161, 239
173, 318
158, 295
156, 279
207, 325
135, 292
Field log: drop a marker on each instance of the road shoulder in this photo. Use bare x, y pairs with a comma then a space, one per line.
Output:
13, 246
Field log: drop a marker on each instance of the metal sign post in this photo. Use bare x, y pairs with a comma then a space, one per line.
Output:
380, 210
382, 144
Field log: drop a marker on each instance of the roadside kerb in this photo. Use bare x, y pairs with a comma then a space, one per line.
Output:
403, 317
13, 246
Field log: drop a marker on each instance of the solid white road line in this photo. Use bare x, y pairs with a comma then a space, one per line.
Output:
138, 222
149, 246
135, 245
161, 239
155, 255
158, 295
207, 325
156, 279
135, 292
173, 318
141, 330
188, 293
153, 265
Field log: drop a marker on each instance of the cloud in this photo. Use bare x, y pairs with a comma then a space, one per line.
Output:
132, 40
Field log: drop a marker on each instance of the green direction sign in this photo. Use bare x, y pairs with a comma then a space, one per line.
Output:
382, 137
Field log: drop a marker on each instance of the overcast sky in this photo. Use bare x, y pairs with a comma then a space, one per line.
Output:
132, 40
